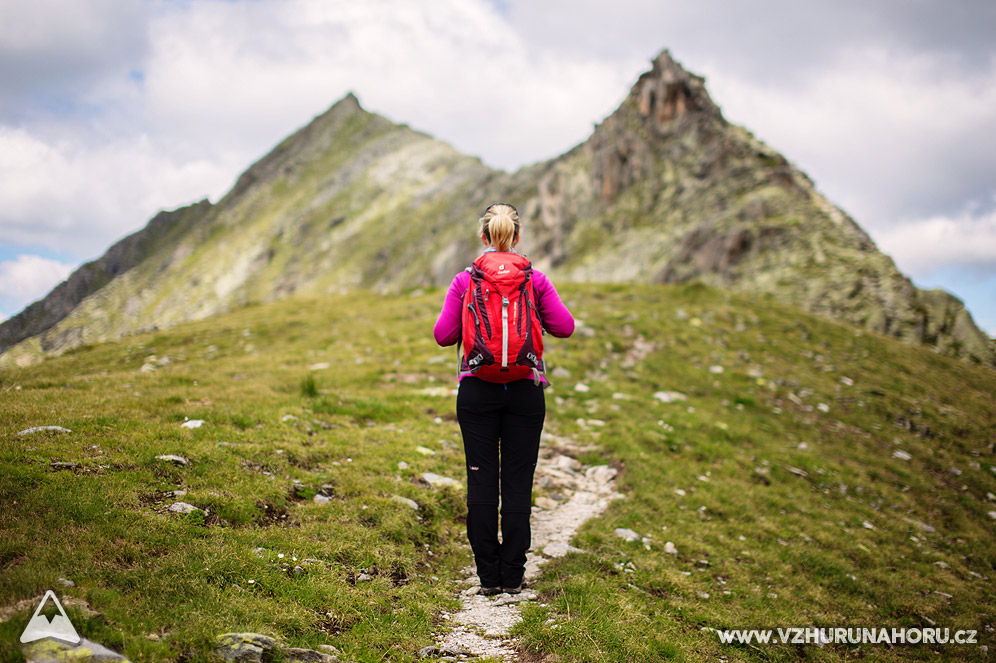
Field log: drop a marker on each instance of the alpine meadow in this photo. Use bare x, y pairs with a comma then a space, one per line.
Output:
233, 437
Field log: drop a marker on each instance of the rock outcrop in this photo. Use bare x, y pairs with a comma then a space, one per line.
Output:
665, 190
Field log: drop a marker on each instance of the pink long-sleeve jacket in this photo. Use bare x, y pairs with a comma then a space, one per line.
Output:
554, 316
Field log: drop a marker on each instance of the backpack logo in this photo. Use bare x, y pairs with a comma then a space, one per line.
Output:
59, 628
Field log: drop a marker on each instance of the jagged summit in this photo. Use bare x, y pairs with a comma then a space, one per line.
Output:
669, 93
664, 190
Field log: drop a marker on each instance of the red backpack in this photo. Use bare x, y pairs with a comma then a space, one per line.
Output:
502, 333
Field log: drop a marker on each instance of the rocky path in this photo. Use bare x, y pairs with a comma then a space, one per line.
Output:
481, 627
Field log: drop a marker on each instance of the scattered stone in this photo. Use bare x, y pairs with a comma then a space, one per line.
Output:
847, 381
803, 446
991, 497
411, 504
321, 499
901, 455
546, 503
567, 463
601, 473
192, 423
288, 417
942, 564
50, 650
173, 458
425, 451
245, 647
823, 407
796, 471
992, 514
619, 396
582, 387
364, 577
795, 399
627, 534
402, 465
670, 396
183, 507
560, 372
298, 655
670, 548
680, 492
38, 429
179, 493
716, 369
559, 549
57, 465
867, 525
436, 480
65, 582
299, 570
319, 366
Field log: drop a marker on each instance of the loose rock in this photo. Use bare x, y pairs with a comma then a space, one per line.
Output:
38, 429
411, 504
173, 458
559, 549
50, 650
601, 473
183, 507
245, 647
628, 534
192, 423
436, 480
297, 655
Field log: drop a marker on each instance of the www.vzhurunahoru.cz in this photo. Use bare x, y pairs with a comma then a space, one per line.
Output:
855, 636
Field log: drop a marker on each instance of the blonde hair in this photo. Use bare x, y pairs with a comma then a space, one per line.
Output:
500, 225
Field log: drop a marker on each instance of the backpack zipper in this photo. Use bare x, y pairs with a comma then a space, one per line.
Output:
504, 332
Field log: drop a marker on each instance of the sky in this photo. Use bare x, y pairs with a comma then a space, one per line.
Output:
111, 110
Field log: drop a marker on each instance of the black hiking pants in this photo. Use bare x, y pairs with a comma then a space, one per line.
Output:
501, 426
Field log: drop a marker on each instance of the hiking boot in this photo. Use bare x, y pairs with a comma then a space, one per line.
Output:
514, 590
489, 591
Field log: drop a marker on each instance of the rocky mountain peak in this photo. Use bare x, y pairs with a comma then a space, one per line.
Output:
668, 93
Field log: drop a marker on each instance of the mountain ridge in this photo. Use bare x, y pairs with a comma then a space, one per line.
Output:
664, 190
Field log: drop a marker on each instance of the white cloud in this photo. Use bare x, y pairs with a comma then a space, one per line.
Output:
885, 135
77, 199
29, 277
222, 83
925, 245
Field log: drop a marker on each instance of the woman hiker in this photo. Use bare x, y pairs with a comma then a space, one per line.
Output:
499, 308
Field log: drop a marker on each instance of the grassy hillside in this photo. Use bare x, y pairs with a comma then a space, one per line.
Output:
813, 475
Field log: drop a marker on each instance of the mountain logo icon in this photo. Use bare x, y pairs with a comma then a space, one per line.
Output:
59, 628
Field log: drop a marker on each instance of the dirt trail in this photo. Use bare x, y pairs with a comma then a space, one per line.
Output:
481, 626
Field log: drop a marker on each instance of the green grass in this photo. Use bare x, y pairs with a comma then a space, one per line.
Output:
771, 522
